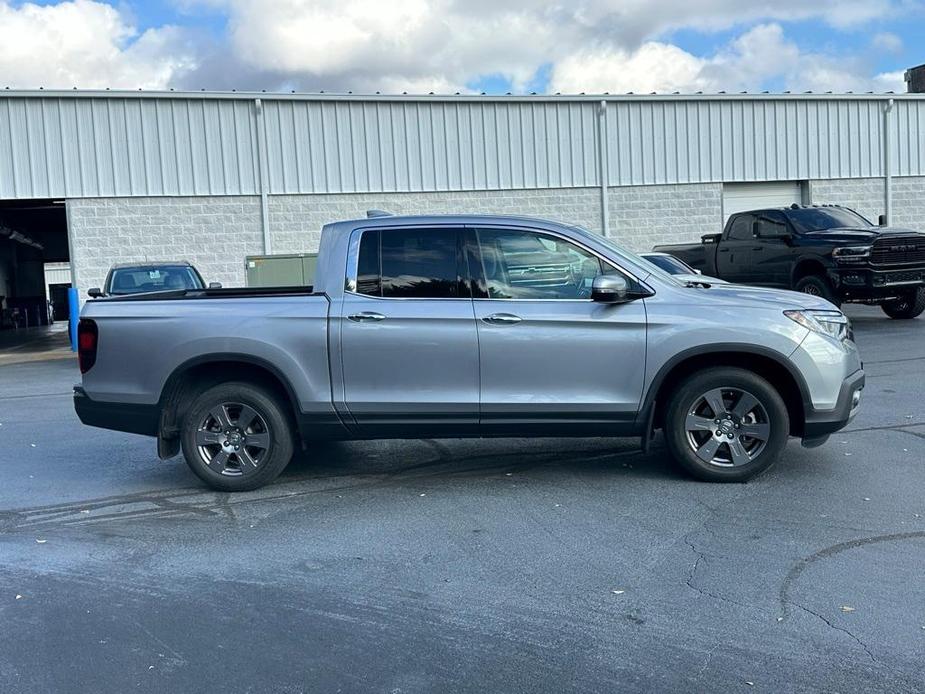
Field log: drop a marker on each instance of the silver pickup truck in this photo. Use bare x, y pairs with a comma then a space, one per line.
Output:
468, 326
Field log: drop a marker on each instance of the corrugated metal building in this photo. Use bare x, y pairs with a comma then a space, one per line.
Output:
213, 177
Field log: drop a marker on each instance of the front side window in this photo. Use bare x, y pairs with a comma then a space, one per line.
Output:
533, 265
772, 222
409, 264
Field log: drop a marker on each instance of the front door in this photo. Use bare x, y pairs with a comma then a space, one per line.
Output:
409, 345
552, 360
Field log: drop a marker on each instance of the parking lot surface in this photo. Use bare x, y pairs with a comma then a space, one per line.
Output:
507, 565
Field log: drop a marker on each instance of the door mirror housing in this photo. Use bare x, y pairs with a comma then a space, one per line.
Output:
95, 292
760, 230
215, 285
610, 289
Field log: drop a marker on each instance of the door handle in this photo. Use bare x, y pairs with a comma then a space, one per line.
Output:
723, 250
365, 316
502, 319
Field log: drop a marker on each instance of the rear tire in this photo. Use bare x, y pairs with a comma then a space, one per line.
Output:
726, 424
237, 436
817, 286
910, 306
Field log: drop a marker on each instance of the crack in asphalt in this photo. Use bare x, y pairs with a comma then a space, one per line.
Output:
837, 628
799, 567
692, 574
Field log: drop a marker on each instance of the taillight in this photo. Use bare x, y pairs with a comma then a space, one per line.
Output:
88, 337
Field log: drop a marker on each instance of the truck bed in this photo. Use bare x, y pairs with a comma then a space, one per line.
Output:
223, 293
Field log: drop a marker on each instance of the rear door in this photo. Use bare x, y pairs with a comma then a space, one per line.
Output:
734, 254
552, 360
409, 345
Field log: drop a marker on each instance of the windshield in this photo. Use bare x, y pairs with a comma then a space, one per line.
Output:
635, 261
669, 264
135, 280
818, 218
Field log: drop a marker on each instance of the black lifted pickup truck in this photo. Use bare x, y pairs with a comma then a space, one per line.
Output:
828, 250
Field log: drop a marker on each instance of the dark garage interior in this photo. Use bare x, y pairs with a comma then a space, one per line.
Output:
32, 233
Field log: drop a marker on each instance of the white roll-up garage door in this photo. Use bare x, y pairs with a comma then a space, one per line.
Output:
739, 197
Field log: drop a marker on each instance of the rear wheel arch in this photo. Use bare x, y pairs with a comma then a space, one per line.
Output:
198, 374
762, 362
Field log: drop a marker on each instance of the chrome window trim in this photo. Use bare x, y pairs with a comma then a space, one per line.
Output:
353, 258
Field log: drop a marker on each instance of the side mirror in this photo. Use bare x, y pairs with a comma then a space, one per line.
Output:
95, 293
609, 289
881, 220
215, 285
760, 230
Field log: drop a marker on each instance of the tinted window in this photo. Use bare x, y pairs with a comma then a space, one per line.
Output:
368, 265
818, 218
409, 263
741, 229
772, 222
135, 280
532, 265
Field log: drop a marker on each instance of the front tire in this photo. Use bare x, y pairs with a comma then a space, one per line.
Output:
237, 437
910, 306
726, 424
817, 286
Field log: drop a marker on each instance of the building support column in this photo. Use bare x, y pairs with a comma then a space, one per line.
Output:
264, 175
887, 164
602, 166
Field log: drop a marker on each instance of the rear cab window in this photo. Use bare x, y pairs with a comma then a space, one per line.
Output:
418, 263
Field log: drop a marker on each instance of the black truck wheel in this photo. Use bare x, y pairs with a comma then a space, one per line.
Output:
237, 437
726, 424
817, 286
909, 306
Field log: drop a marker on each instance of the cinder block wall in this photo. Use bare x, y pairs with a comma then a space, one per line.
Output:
296, 220
644, 216
213, 233
866, 195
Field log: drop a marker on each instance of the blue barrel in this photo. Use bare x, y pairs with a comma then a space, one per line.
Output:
73, 304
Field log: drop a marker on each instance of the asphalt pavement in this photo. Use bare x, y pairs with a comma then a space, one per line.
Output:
557, 565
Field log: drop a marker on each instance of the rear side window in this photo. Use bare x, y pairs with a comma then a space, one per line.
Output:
409, 264
741, 229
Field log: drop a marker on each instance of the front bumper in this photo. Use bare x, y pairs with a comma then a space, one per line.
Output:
864, 283
133, 419
819, 424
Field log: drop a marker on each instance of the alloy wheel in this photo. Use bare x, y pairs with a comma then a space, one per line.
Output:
233, 439
727, 427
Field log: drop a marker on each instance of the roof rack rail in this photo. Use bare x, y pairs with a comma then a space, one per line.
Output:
377, 213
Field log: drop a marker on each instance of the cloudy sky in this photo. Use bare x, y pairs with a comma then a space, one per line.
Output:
447, 46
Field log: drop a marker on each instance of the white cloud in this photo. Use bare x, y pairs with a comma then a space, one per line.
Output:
759, 55
431, 44
85, 44
887, 42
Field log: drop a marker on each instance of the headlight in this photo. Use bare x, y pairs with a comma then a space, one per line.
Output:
851, 254
832, 323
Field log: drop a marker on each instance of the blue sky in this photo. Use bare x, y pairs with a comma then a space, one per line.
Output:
464, 45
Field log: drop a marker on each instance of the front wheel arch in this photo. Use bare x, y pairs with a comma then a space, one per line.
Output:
763, 363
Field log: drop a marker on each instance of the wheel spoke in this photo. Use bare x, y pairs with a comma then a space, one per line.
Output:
708, 450
220, 414
714, 399
261, 441
204, 437
246, 417
739, 454
247, 461
759, 430
747, 402
219, 461
697, 423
